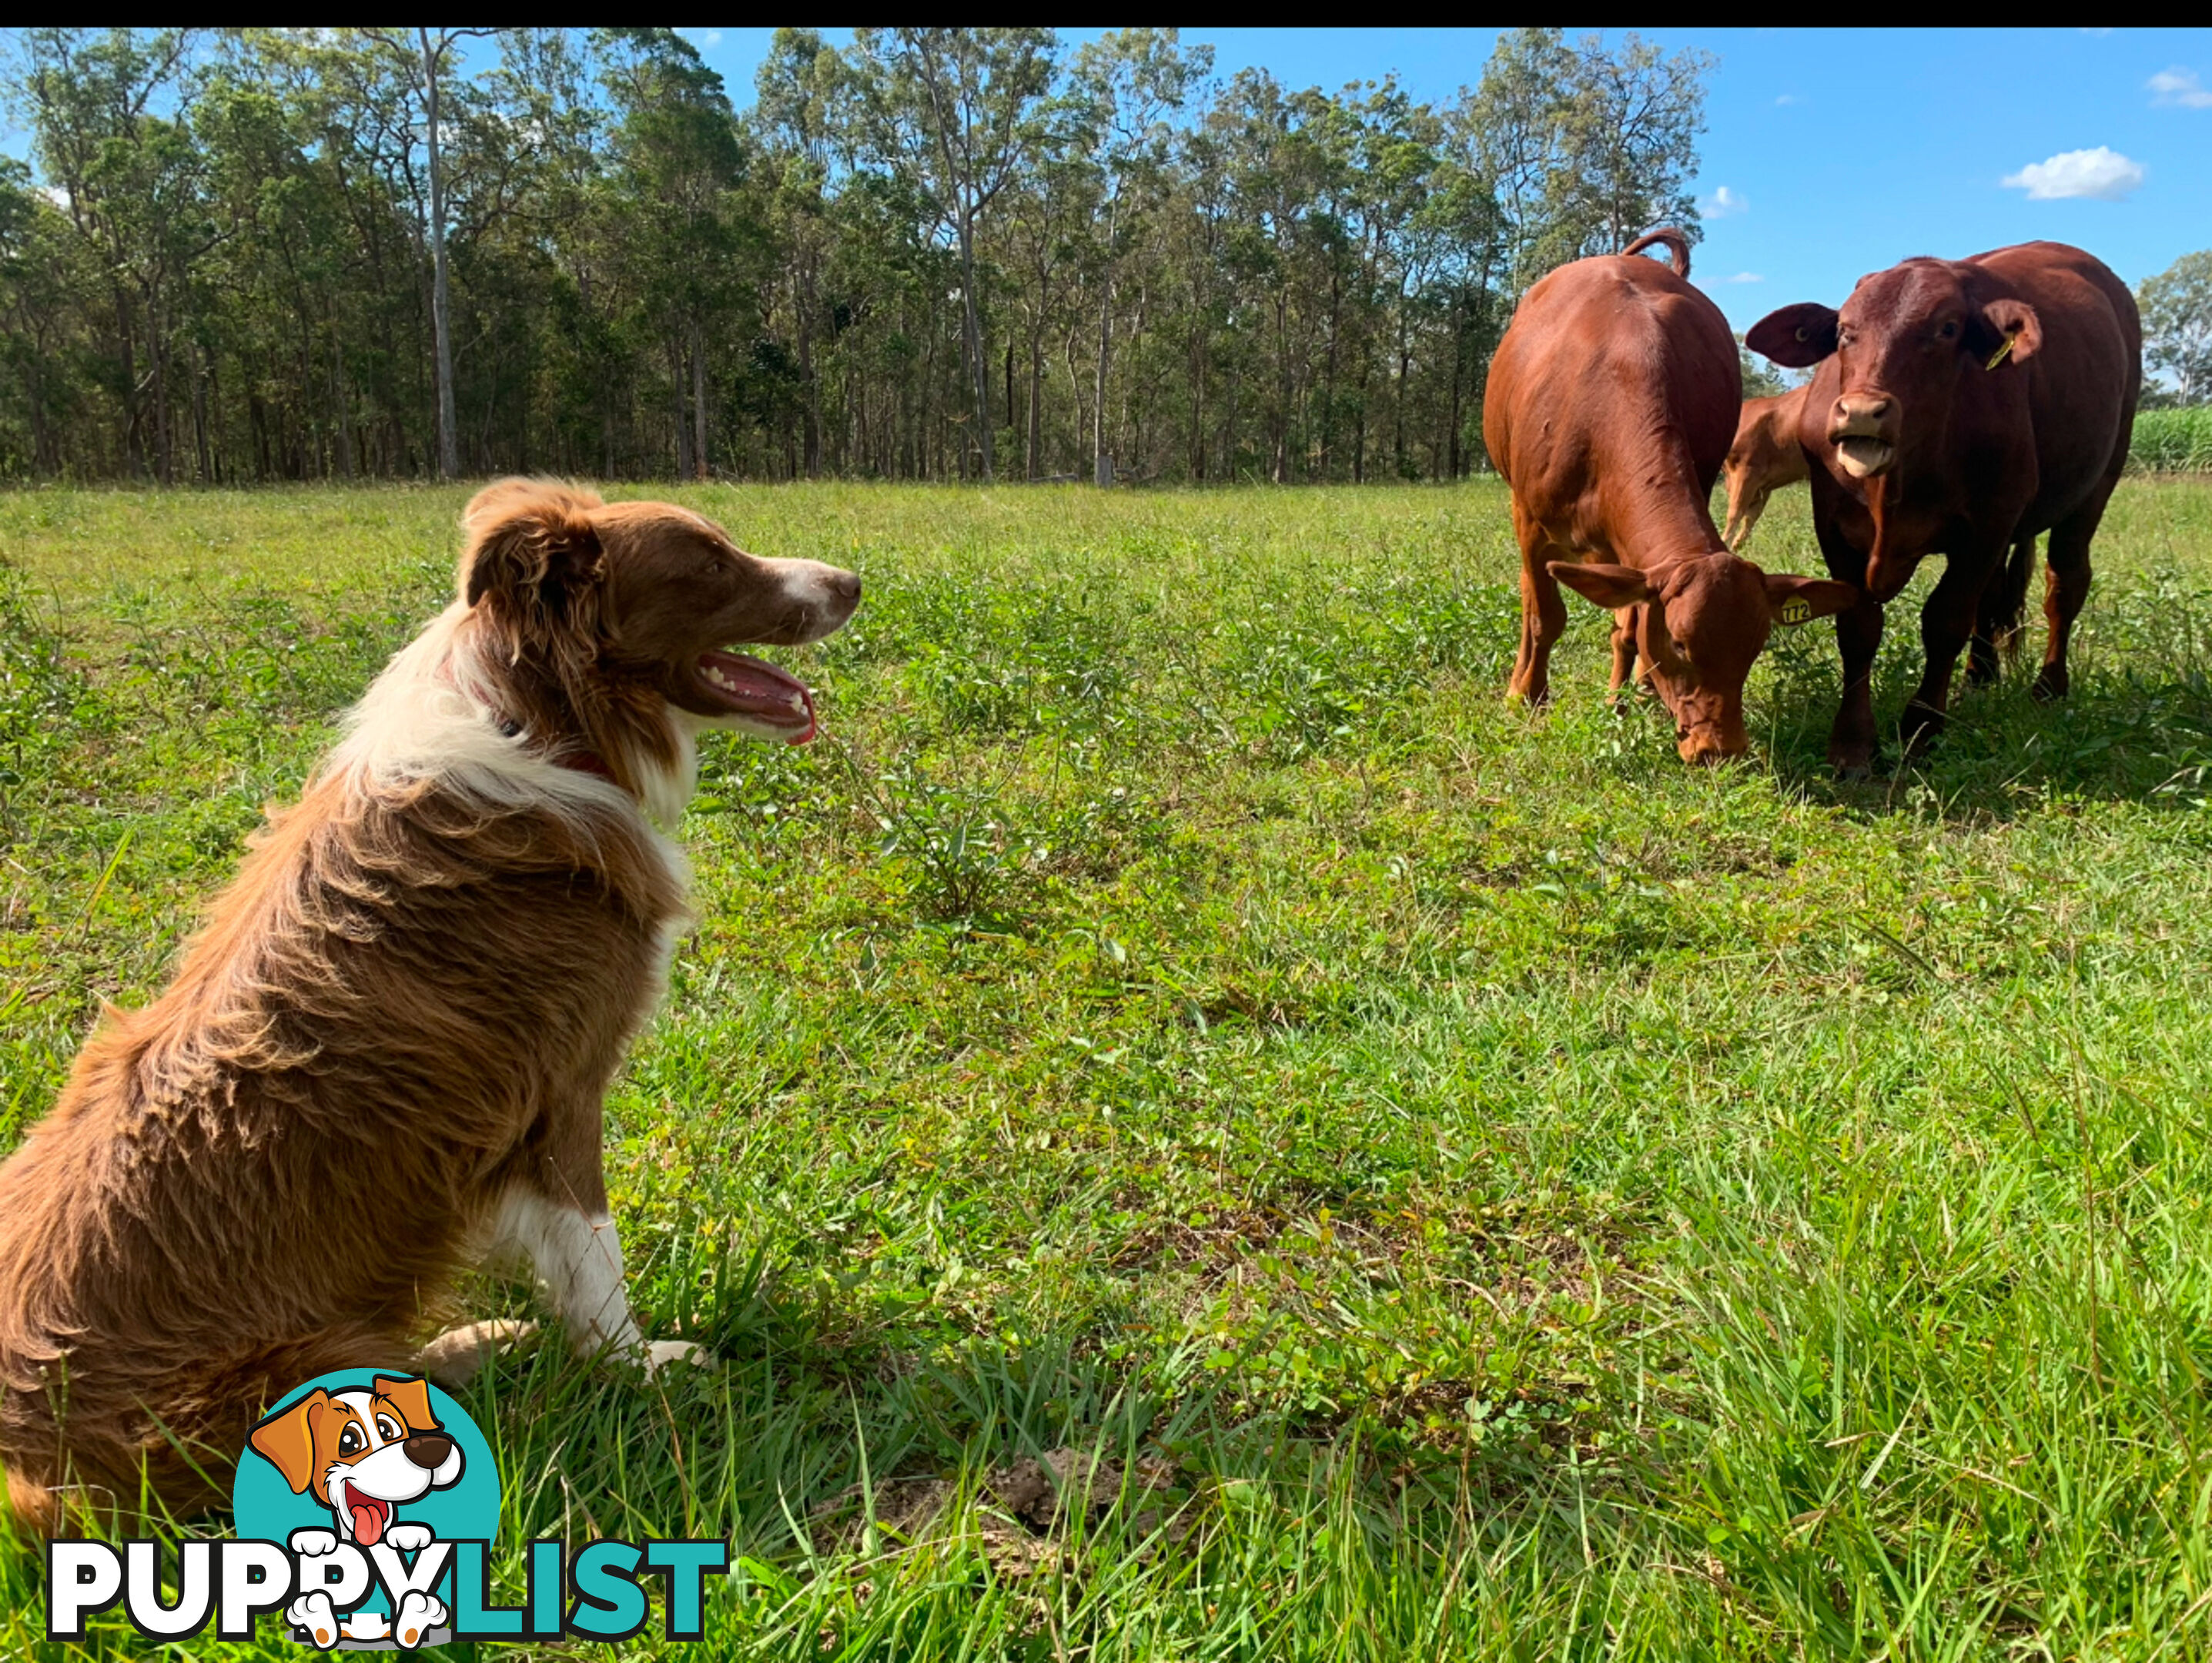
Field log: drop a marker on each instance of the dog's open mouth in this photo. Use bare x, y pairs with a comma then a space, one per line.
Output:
759, 692
370, 1515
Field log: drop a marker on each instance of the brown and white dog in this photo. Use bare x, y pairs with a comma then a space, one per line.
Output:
382, 1059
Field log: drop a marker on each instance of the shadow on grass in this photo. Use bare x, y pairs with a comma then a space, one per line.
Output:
2120, 735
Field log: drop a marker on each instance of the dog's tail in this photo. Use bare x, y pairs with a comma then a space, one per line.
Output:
37, 1510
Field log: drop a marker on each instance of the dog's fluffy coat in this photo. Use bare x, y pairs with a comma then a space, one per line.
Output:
384, 1055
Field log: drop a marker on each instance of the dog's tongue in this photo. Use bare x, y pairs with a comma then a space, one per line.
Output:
752, 687
368, 1521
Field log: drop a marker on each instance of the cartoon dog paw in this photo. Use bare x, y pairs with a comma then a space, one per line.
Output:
313, 1543
418, 1614
408, 1539
660, 1353
311, 1613
367, 1625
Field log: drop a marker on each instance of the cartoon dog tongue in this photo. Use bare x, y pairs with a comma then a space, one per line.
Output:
369, 1513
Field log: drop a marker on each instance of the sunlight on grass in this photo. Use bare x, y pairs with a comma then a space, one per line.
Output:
1477, 1187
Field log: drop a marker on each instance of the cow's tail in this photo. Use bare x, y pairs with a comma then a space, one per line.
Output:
2007, 616
1677, 247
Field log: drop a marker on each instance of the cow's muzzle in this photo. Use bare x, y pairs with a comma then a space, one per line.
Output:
1863, 427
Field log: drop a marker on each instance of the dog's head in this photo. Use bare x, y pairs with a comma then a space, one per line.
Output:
623, 611
360, 1453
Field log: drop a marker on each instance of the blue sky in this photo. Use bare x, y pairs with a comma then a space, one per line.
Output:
1847, 150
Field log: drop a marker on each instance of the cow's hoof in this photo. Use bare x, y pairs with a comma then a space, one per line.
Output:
1920, 728
2051, 684
1854, 773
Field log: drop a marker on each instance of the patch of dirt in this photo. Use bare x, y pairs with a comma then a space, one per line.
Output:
1022, 1516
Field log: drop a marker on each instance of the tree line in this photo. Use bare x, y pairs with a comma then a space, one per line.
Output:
252, 255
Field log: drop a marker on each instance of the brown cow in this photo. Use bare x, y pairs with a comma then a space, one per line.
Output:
1960, 408
1764, 457
1611, 403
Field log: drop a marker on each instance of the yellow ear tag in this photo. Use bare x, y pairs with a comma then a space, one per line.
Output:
2002, 353
1796, 609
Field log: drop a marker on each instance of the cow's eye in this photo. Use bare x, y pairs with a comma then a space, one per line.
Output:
1948, 332
349, 1441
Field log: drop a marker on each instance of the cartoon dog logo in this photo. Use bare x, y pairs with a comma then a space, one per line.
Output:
363, 1454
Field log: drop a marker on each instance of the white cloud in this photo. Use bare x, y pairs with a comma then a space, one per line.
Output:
1789, 98
1748, 277
1723, 203
55, 194
2181, 87
2102, 174
712, 38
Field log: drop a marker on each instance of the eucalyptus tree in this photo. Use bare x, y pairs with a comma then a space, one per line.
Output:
430, 56
952, 113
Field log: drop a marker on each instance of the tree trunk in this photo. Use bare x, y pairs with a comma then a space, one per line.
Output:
449, 454
1102, 467
700, 468
972, 323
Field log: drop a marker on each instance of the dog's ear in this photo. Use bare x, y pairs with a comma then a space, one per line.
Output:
287, 1440
532, 545
412, 1398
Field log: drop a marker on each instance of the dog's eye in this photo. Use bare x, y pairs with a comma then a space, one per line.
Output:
389, 1430
349, 1441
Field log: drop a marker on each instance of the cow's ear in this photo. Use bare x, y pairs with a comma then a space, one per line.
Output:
1611, 586
1797, 336
2007, 331
1794, 600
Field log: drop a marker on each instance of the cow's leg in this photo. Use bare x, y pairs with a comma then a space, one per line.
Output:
1946, 624
1858, 638
1997, 623
1624, 646
2067, 587
1543, 613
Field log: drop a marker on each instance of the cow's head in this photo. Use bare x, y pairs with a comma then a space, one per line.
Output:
1902, 343
1699, 623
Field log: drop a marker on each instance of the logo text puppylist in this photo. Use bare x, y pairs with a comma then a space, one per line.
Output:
367, 1506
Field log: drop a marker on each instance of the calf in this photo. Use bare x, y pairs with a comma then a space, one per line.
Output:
1764, 457
1612, 400
1960, 408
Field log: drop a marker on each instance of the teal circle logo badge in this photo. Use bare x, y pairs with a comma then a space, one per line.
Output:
371, 1480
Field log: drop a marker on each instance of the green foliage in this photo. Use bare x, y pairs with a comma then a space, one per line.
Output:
2173, 440
226, 266
1490, 1191
2177, 324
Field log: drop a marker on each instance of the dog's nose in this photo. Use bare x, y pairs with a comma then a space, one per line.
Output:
429, 1450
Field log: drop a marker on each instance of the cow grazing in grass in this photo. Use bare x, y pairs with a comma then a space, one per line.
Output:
1960, 408
1764, 457
1612, 401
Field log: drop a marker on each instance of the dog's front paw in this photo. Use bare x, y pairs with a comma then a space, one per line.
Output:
418, 1614
311, 1614
313, 1543
660, 1353
409, 1538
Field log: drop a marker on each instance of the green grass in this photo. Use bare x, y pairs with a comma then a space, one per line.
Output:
2173, 441
1518, 1197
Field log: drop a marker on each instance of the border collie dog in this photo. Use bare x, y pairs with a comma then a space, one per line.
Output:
382, 1059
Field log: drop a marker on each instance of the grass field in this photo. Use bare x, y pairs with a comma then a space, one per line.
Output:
1489, 1190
